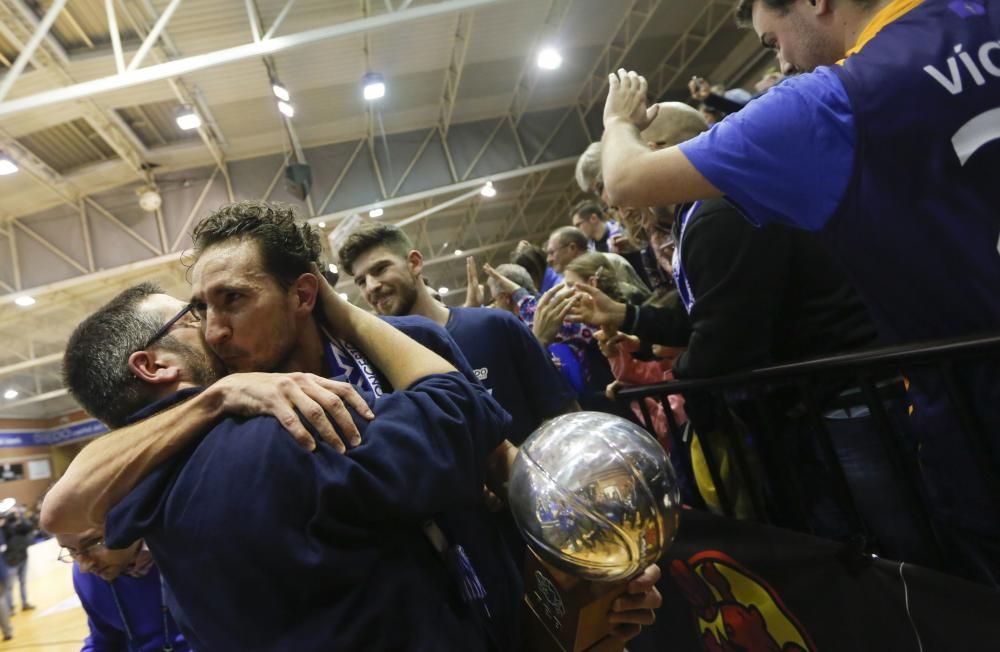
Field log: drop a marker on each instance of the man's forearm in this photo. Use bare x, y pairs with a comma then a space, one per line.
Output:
112, 465
636, 176
401, 359
621, 147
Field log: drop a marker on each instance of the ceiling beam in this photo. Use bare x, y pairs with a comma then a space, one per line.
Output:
31, 364
50, 58
453, 72
715, 15
41, 31
229, 55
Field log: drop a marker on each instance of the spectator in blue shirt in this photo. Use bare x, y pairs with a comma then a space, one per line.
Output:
122, 594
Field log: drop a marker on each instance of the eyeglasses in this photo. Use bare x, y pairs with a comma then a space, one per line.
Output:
166, 327
67, 556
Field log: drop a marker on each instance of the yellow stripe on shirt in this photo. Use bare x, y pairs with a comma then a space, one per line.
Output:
891, 12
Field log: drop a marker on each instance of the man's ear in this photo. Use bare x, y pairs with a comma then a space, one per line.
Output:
152, 368
415, 261
305, 289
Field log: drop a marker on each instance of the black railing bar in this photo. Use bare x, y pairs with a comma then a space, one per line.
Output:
887, 356
715, 471
904, 471
735, 437
841, 487
782, 480
973, 431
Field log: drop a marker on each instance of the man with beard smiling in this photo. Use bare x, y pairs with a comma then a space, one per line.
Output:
505, 355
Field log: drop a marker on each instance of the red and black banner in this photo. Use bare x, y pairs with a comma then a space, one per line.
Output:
733, 586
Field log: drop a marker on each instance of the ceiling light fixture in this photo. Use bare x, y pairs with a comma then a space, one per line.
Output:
333, 268
188, 118
25, 301
322, 225
458, 252
549, 59
10, 393
280, 91
376, 212
373, 85
286, 109
488, 190
443, 290
7, 166
343, 295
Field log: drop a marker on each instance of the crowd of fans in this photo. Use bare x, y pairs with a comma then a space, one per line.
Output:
633, 295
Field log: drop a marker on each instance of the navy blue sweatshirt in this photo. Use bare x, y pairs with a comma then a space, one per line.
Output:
268, 547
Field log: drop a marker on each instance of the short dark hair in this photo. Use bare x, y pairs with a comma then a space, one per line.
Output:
586, 208
744, 10
369, 236
571, 235
95, 364
286, 247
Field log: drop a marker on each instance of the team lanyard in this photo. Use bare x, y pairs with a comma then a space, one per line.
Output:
345, 360
680, 277
167, 644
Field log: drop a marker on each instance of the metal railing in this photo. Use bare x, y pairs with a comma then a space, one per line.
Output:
874, 378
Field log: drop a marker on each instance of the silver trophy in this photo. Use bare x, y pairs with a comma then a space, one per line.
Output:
597, 502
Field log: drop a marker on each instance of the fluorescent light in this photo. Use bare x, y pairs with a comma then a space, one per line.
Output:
24, 301
280, 91
322, 225
286, 109
374, 91
7, 166
376, 212
488, 190
549, 59
10, 393
332, 268
188, 118
458, 252
373, 85
443, 290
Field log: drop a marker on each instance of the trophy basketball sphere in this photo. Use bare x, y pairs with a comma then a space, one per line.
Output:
594, 496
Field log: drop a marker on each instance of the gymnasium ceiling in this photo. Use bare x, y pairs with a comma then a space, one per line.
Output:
91, 125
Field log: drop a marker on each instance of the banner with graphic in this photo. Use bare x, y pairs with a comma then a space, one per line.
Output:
24, 439
736, 586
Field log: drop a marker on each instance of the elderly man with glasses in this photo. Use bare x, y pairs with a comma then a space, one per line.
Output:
122, 594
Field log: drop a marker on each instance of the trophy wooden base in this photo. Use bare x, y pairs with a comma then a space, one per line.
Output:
562, 613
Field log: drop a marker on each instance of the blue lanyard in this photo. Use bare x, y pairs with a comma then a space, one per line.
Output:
344, 360
680, 277
167, 643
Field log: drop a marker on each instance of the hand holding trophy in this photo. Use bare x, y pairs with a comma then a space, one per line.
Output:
597, 501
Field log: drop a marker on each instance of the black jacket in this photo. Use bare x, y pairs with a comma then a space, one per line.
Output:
762, 296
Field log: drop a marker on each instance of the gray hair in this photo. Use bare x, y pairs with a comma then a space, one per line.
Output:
588, 167
95, 365
514, 273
